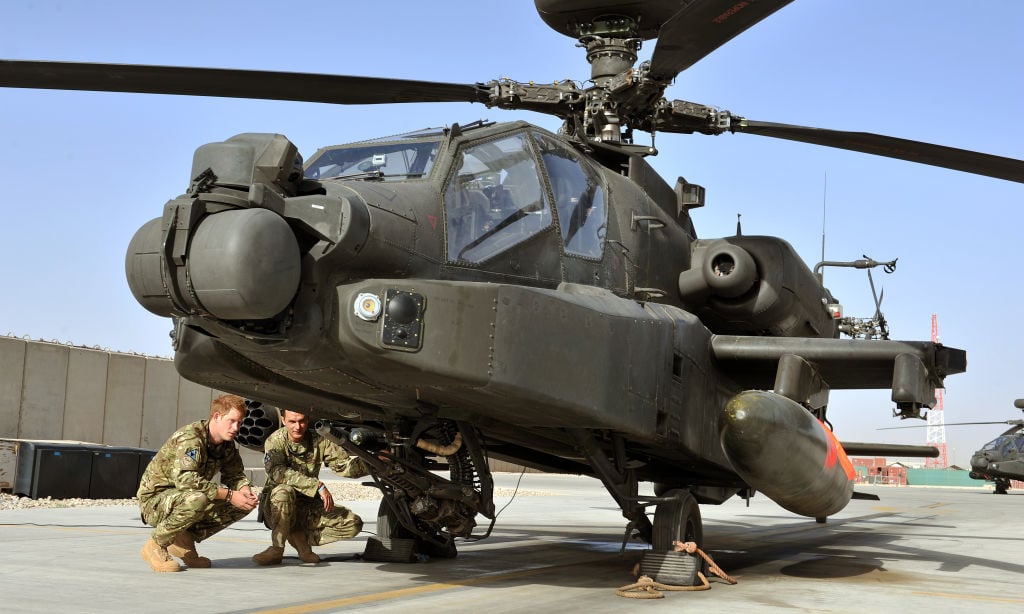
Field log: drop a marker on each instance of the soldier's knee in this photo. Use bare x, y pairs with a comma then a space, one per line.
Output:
195, 500
357, 524
283, 495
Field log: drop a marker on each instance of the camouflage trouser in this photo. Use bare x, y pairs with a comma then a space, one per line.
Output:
173, 511
284, 510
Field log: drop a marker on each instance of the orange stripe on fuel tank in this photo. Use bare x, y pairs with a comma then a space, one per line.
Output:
836, 452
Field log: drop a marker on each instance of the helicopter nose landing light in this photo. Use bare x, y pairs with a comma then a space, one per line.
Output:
368, 307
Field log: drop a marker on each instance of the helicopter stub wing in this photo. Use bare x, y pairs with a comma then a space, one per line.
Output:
801, 368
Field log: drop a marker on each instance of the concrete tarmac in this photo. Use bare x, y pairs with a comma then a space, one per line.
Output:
917, 549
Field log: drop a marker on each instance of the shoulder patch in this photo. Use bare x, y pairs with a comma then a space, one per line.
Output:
191, 459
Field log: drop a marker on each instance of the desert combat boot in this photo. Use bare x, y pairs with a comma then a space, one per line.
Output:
157, 557
184, 548
271, 556
298, 541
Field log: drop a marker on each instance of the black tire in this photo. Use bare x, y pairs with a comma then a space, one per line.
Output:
388, 526
393, 543
677, 520
394, 536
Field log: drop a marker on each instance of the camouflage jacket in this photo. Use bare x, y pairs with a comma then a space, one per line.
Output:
189, 461
298, 463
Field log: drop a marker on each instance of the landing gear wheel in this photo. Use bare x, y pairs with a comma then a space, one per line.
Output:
396, 544
393, 543
1002, 486
677, 520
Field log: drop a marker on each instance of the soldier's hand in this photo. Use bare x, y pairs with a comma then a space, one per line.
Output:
243, 500
325, 495
250, 497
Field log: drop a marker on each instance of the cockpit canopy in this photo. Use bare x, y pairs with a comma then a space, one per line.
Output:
500, 190
392, 158
497, 197
1006, 444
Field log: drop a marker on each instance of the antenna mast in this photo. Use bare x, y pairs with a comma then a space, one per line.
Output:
824, 203
936, 420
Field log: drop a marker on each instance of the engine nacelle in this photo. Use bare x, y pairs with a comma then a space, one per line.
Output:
752, 285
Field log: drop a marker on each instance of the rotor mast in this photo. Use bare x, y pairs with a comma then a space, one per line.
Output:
612, 43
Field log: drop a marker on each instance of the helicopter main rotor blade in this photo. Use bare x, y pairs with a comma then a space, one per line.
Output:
891, 147
700, 28
921, 426
230, 83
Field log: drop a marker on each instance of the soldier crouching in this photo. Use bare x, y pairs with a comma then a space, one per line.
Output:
295, 505
177, 497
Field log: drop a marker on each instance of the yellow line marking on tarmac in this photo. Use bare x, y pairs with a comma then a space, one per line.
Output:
83, 529
969, 597
409, 592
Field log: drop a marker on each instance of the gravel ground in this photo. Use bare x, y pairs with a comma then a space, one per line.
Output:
342, 491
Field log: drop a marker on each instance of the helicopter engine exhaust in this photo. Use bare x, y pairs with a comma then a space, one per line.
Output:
782, 450
755, 285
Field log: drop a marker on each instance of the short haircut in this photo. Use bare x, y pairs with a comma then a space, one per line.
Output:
301, 412
227, 403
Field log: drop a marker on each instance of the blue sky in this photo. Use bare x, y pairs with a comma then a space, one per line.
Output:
82, 171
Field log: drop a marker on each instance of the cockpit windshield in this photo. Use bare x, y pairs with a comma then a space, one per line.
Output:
395, 158
495, 199
1006, 444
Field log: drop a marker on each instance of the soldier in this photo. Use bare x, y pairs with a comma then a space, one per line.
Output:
177, 496
295, 505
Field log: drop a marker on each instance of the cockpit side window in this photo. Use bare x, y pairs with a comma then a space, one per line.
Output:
398, 161
494, 200
579, 198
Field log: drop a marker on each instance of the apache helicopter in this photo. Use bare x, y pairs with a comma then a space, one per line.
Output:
999, 460
496, 290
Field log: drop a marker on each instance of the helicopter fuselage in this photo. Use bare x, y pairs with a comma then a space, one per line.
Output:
553, 296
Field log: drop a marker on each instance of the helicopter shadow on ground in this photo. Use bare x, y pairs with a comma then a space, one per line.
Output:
835, 551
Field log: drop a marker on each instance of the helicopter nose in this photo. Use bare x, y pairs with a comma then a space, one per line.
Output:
241, 264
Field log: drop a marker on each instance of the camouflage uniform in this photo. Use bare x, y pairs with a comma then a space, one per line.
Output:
289, 501
176, 492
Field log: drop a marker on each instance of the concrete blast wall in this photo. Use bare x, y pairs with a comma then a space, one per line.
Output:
51, 391
61, 392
